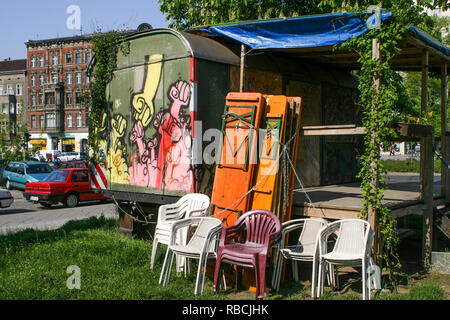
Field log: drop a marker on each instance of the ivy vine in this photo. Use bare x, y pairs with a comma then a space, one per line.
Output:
378, 102
106, 48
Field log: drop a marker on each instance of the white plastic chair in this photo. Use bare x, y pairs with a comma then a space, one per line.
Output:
202, 246
303, 250
352, 248
193, 204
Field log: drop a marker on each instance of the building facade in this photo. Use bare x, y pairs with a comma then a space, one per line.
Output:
13, 96
57, 80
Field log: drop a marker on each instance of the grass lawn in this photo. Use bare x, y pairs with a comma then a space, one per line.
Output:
33, 266
407, 165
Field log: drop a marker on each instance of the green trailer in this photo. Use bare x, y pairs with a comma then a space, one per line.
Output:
166, 87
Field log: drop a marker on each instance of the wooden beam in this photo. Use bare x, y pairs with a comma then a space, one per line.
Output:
424, 90
331, 130
241, 79
423, 104
427, 196
325, 213
413, 130
421, 44
445, 152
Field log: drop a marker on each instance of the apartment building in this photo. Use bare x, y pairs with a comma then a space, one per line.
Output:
13, 96
56, 79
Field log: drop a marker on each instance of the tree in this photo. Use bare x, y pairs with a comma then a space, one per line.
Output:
185, 14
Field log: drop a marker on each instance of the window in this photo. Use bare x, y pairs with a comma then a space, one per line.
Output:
41, 99
41, 121
10, 89
33, 100
69, 98
41, 61
58, 176
51, 120
79, 120
12, 108
78, 77
69, 120
2, 92
41, 80
33, 81
69, 57
19, 108
54, 60
50, 98
77, 97
68, 78
87, 78
87, 57
78, 58
54, 78
32, 62
18, 89
33, 121
80, 176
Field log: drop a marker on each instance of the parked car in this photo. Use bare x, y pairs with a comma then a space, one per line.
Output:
74, 164
6, 198
68, 156
49, 155
40, 157
67, 186
17, 174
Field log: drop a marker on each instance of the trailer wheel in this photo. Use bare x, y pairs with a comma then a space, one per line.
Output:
71, 200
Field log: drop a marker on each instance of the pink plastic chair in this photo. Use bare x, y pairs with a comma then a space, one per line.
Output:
262, 230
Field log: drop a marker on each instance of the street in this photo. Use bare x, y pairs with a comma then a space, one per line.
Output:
23, 214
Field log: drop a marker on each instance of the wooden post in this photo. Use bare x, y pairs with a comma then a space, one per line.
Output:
374, 183
445, 152
424, 102
427, 194
241, 83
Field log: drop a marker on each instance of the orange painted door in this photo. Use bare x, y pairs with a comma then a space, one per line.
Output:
238, 156
295, 105
272, 133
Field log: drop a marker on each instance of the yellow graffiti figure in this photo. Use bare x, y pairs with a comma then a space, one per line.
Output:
143, 102
118, 166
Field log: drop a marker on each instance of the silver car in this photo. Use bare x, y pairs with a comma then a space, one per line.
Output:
6, 198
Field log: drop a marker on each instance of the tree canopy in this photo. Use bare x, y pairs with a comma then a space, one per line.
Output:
185, 14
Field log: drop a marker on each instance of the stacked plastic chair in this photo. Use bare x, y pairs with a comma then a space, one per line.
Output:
202, 246
194, 204
246, 243
352, 248
302, 250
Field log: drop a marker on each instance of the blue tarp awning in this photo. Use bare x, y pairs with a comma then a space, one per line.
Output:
308, 31
298, 32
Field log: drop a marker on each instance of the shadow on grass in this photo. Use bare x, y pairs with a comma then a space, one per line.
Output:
30, 236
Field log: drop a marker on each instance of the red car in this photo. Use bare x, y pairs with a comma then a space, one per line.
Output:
74, 164
68, 186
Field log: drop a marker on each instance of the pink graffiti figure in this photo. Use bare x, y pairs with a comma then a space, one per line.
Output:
175, 145
144, 166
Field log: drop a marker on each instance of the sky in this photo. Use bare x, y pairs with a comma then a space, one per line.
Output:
21, 21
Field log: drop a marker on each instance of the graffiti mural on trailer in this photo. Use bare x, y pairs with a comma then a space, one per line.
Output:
162, 161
